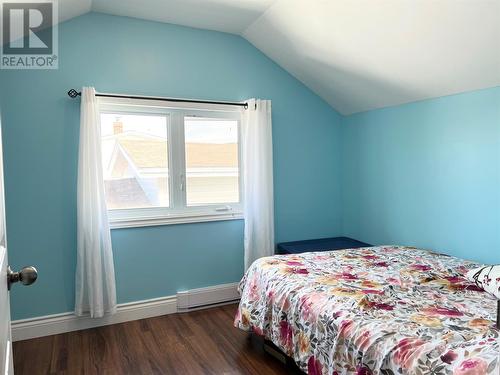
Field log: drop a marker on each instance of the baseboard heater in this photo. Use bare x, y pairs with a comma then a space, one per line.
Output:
194, 299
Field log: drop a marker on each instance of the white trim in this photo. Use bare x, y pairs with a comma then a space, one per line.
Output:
173, 219
67, 322
195, 298
178, 211
7, 357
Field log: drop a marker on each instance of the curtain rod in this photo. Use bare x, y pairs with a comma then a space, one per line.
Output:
73, 94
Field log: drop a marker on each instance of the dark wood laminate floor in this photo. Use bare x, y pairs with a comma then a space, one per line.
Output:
199, 342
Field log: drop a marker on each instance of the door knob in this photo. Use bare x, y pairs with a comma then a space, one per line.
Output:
26, 276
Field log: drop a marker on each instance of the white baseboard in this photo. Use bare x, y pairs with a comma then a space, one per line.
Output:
66, 322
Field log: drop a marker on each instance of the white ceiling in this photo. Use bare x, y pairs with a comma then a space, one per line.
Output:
364, 54
230, 16
356, 54
73, 8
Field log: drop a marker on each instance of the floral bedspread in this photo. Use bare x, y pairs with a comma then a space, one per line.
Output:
379, 310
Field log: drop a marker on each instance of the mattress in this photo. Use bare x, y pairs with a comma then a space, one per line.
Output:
379, 310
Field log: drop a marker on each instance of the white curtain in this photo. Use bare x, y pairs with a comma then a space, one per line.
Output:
258, 180
95, 274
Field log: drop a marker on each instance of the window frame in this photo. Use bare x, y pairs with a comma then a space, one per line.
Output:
178, 211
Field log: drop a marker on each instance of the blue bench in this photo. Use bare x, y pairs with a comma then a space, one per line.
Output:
321, 244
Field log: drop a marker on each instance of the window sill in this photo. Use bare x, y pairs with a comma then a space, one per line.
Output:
173, 219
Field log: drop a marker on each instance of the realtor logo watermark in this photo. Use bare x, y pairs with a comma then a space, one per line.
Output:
29, 34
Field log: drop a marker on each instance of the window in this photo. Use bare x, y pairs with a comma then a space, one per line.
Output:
135, 160
170, 164
211, 161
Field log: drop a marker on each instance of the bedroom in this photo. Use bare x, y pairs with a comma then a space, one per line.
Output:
356, 123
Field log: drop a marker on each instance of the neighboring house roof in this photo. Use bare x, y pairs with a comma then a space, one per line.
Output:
125, 193
150, 153
145, 153
211, 155
136, 160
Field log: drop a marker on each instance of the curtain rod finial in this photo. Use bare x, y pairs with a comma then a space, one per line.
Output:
73, 93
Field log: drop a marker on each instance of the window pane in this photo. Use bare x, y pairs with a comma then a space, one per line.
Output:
135, 160
212, 173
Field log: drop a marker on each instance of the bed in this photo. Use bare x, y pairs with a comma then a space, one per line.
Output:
379, 310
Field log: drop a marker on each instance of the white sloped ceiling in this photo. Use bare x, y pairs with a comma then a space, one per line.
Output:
231, 16
356, 54
364, 54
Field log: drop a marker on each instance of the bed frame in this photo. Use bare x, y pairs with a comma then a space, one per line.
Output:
276, 352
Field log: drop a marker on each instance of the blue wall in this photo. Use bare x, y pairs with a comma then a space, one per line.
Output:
118, 54
426, 174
